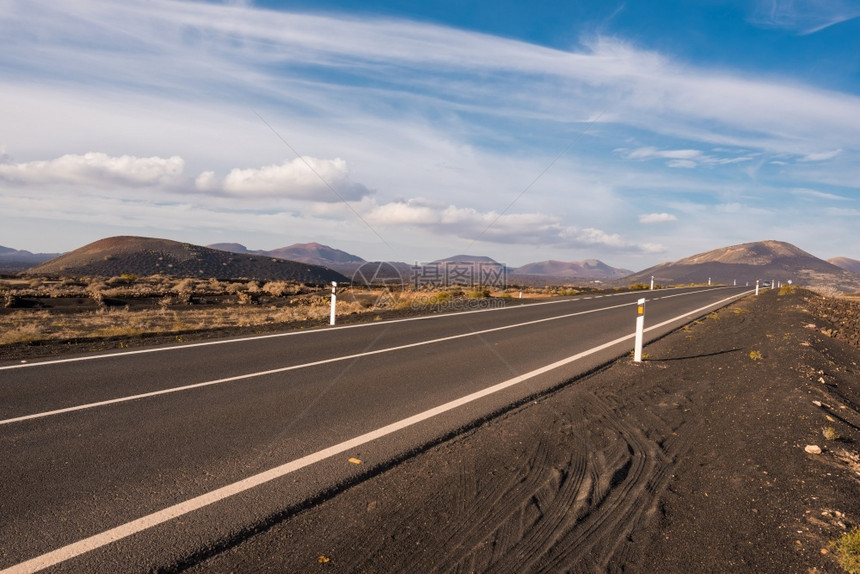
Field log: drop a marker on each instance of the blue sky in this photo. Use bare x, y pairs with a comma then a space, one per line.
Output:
631, 132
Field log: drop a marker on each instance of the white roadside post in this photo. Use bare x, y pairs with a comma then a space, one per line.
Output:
640, 329
333, 302
652, 283
756, 287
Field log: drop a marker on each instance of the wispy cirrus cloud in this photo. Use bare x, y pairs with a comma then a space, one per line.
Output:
815, 194
803, 16
685, 158
310, 61
820, 156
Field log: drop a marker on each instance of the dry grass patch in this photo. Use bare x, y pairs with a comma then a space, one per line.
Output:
131, 306
28, 325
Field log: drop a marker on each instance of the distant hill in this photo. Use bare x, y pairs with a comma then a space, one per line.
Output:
466, 259
235, 248
316, 254
353, 266
15, 261
846, 263
148, 256
748, 262
588, 269
312, 253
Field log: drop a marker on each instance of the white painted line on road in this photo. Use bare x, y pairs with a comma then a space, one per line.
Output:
296, 367
296, 333
135, 526
271, 336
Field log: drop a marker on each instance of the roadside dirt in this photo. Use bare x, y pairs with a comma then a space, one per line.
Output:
692, 461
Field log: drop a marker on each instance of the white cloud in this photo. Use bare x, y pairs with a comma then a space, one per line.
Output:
306, 178
685, 163
207, 181
821, 156
96, 168
651, 153
509, 228
649, 218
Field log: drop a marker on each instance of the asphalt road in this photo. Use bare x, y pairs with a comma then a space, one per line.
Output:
152, 459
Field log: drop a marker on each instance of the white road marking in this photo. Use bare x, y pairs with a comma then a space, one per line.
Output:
26, 365
109, 536
271, 336
296, 367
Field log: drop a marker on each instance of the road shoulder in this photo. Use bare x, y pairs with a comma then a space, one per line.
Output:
694, 460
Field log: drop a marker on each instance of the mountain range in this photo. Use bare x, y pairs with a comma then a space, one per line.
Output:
588, 269
149, 256
313, 253
349, 264
15, 260
317, 263
748, 262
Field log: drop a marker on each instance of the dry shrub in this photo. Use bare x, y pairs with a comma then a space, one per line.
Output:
121, 280
245, 298
97, 295
216, 287
277, 288
184, 286
21, 334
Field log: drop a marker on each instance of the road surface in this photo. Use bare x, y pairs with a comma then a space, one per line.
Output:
153, 458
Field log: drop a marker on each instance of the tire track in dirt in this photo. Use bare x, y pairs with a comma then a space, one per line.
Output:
623, 478
579, 487
584, 503
492, 512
